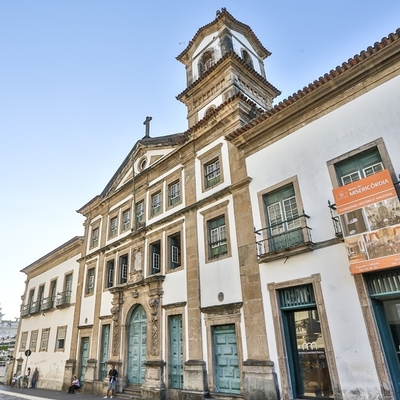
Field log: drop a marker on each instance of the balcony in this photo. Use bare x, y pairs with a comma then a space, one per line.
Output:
47, 303
25, 310
34, 307
284, 239
63, 299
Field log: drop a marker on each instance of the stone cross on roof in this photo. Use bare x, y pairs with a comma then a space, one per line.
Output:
147, 123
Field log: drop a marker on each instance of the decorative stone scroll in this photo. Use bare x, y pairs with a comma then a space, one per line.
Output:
153, 303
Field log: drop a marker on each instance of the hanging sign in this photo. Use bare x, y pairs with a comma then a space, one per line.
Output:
369, 212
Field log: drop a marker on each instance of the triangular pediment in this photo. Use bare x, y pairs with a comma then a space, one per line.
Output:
145, 154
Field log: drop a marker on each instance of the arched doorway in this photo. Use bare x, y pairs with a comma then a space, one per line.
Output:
137, 344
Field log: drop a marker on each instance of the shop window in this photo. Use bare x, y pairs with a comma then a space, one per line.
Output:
305, 344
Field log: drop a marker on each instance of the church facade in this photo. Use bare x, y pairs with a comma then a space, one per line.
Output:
211, 264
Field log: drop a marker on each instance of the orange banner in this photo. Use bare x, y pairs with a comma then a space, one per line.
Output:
369, 212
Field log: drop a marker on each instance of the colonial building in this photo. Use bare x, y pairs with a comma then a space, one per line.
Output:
8, 333
211, 264
47, 316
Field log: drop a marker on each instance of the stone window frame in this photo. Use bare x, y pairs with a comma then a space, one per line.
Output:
23, 342
206, 158
112, 233
143, 215
123, 255
170, 231
33, 339
61, 331
151, 240
90, 275
94, 242
273, 288
106, 272
44, 341
157, 188
209, 214
276, 187
377, 143
227, 314
206, 63
126, 226
171, 310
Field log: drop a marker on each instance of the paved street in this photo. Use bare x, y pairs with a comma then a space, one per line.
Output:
8, 393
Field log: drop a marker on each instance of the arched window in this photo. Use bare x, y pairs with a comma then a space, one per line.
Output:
206, 62
209, 111
247, 58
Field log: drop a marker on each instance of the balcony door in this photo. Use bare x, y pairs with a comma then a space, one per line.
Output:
283, 219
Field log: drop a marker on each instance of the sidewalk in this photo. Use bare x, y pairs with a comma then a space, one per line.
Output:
39, 394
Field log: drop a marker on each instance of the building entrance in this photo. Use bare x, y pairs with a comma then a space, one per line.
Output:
137, 345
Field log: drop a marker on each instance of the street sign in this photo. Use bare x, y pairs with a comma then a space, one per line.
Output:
28, 353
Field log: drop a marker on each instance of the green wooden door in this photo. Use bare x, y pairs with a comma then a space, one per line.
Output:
84, 358
388, 321
175, 362
105, 343
137, 346
227, 372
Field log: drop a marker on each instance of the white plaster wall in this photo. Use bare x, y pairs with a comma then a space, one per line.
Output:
221, 275
305, 154
51, 364
175, 287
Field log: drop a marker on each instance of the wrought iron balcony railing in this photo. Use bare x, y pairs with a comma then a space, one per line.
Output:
285, 235
25, 310
34, 307
63, 299
335, 220
47, 303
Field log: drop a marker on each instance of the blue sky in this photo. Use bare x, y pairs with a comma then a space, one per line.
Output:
78, 78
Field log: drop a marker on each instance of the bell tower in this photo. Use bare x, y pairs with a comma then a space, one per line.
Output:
224, 59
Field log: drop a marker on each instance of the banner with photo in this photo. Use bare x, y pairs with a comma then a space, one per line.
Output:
369, 212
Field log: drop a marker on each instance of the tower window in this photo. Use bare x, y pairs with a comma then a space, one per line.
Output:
247, 58
206, 62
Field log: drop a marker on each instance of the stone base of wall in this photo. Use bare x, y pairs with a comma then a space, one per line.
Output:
259, 380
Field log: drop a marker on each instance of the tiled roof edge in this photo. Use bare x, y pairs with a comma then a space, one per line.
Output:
339, 70
223, 14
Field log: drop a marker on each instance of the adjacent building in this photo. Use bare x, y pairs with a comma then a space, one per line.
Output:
255, 255
8, 333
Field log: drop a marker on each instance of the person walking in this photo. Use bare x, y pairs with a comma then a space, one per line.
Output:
35, 378
112, 386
